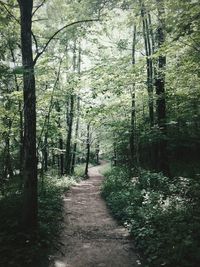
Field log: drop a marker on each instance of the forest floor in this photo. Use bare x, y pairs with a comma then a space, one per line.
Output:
91, 237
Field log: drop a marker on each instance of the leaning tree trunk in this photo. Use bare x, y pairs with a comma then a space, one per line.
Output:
30, 201
160, 92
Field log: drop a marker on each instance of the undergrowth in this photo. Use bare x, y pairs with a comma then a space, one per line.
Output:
16, 248
162, 213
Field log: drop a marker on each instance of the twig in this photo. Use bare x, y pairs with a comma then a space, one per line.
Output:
8, 11
38, 7
57, 32
35, 40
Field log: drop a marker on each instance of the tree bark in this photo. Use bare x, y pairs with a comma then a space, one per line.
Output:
30, 202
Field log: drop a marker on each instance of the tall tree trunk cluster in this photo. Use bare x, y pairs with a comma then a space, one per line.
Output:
73, 104
155, 69
149, 50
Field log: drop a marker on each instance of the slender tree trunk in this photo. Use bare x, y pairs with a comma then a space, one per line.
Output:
30, 159
61, 156
132, 132
114, 154
78, 111
160, 92
149, 62
87, 150
76, 136
45, 152
68, 156
97, 153
21, 134
45, 127
8, 162
68, 159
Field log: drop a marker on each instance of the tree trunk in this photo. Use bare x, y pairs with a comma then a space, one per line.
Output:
132, 132
149, 62
21, 134
114, 154
97, 154
68, 154
8, 163
68, 160
160, 92
76, 137
78, 111
45, 152
30, 202
88, 150
61, 156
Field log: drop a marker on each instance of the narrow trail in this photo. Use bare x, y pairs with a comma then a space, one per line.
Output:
92, 238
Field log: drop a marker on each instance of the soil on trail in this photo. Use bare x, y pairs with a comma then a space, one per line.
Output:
91, 237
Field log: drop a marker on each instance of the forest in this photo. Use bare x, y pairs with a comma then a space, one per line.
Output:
107, 85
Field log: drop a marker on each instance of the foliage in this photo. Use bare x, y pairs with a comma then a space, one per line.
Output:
16, 247
162, 214
92, 65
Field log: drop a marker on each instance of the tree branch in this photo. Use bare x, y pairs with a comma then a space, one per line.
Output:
36, 20
57, 32
38, 7
6, 4
8, 11
35, 40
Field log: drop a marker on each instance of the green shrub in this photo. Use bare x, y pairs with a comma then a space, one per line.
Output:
16, 248
163, 214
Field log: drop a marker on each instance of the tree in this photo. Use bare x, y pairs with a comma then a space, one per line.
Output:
160, 92
30, 159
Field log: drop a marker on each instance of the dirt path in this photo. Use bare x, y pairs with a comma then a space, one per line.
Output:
91, 237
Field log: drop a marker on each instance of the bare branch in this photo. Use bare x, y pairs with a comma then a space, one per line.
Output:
8, 11
6, 4
35, 40
47, 117
57, 32
38, 7
36, 20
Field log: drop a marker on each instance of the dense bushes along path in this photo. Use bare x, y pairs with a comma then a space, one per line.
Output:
91, 237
